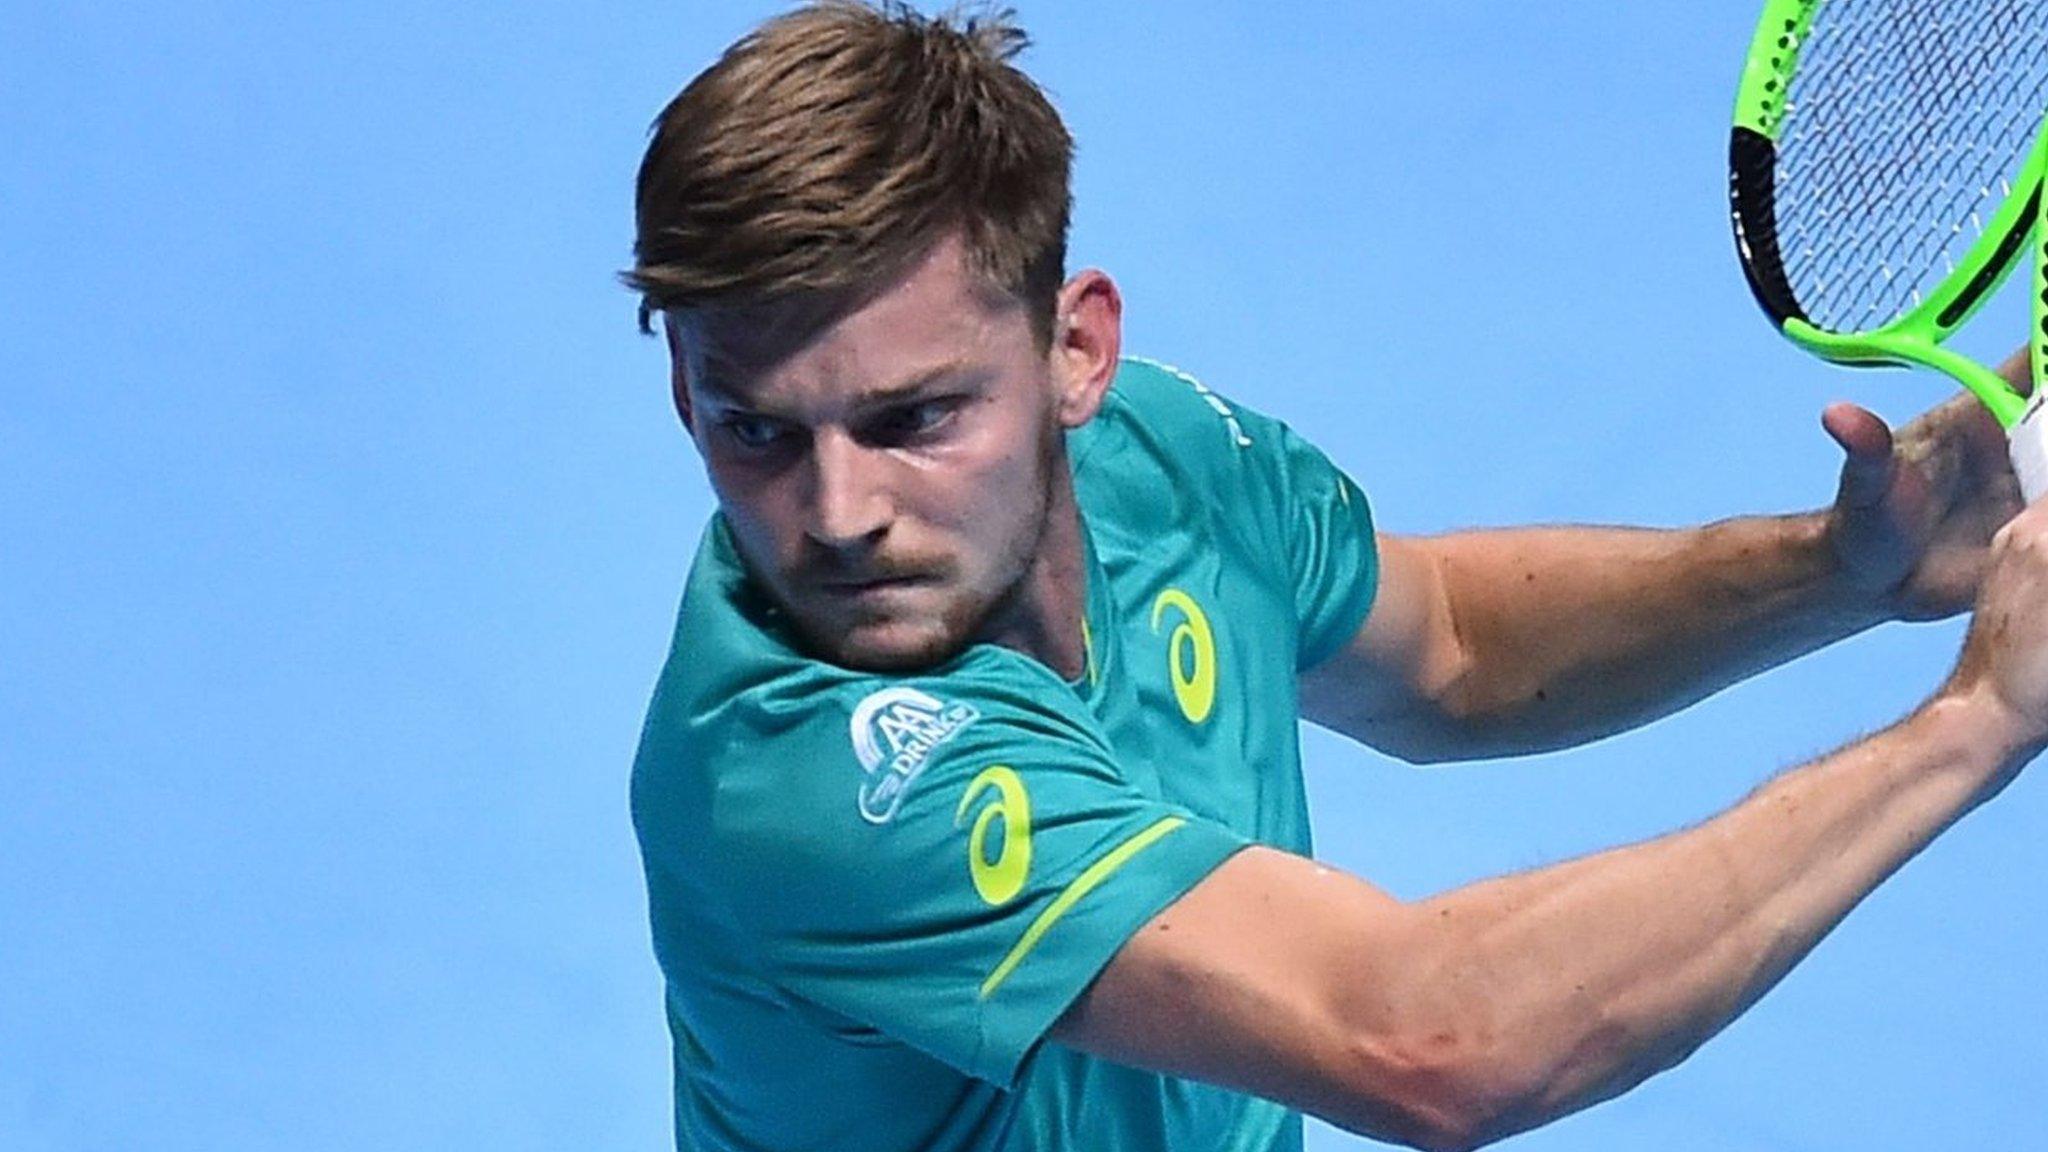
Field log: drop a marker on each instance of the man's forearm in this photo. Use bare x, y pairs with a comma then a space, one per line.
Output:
1573, 983
1576, 633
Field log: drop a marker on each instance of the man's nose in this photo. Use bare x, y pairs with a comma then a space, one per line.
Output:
849, 501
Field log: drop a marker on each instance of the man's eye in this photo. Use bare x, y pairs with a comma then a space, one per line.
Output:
918, 419
752, 431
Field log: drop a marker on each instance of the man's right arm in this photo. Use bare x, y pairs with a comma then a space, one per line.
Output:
1492, 1009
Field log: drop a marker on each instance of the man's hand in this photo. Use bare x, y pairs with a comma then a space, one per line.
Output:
1915, 513
2004, 661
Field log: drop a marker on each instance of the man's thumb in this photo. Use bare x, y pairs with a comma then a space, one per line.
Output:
1867, 452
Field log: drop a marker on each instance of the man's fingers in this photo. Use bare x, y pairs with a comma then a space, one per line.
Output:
1867, 446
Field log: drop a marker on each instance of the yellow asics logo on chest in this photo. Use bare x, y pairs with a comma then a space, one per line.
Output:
1002, 878
1190, 654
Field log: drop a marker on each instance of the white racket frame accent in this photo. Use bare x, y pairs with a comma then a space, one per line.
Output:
2027, 441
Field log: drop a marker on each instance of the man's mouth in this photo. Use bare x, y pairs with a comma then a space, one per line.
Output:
864, 585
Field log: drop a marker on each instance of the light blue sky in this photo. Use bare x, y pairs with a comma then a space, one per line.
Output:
342, 520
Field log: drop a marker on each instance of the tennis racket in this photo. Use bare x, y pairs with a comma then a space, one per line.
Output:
1885, 174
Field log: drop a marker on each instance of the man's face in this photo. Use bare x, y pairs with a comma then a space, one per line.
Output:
888, 481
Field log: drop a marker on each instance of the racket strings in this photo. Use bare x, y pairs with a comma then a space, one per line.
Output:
1912, 152
1905, 124
1911, 114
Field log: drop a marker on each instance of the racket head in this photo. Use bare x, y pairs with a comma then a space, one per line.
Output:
1884, 172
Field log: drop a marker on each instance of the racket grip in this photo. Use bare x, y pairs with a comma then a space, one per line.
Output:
2027, 442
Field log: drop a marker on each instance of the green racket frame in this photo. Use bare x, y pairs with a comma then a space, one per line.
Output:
1915, 337
2040, 308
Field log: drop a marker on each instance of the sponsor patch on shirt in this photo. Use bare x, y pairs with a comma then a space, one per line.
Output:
894, 734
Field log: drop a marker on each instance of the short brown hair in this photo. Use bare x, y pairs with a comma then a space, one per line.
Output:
831, 146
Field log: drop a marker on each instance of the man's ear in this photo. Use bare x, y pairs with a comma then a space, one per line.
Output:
678, 372
1087, 341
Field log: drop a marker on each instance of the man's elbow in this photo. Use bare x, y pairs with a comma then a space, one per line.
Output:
1455, 715
1460, 725
1429, 1092
1423, 728
1439, 733
1422, 746
1451, 1087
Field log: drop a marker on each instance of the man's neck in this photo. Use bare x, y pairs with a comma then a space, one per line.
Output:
1043, 621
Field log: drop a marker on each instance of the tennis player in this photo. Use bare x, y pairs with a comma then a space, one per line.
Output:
970, 796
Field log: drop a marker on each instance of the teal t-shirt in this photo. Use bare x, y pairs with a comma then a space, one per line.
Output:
873, 894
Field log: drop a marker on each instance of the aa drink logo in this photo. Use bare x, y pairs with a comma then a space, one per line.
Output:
894, 733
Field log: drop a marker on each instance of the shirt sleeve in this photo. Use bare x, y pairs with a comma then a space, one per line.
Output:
947, 860
1333, 562
1296, 515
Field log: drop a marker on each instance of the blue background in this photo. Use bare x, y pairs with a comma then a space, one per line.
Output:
342, 519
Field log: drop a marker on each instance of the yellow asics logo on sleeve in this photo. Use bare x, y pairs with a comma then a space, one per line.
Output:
1190, 654
1002, 878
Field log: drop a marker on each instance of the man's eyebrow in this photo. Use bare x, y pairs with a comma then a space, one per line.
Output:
725, 395
719, 392
896, 393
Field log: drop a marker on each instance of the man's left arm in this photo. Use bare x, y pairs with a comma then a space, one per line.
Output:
1501, 643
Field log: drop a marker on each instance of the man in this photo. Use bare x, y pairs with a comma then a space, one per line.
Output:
970, 798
